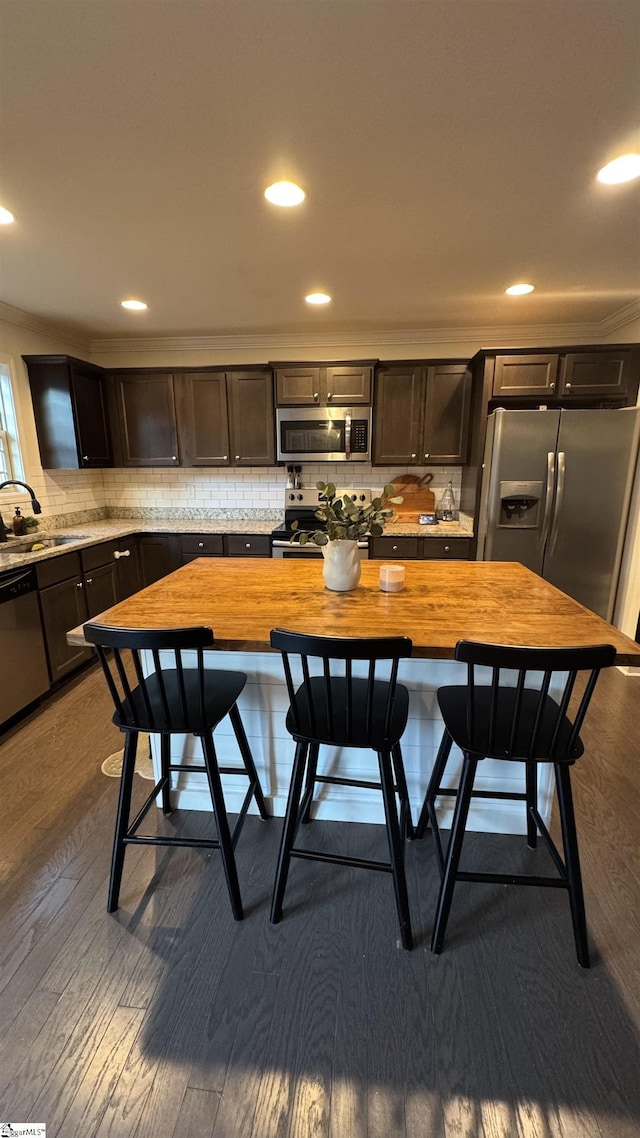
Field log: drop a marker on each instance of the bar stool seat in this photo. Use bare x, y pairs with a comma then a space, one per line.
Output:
176, 700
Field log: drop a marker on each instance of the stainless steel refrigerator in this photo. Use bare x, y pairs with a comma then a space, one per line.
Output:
556, 489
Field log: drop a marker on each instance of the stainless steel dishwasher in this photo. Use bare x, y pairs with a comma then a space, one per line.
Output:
23, 661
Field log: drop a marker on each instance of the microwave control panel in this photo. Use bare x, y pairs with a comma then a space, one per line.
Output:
359, 436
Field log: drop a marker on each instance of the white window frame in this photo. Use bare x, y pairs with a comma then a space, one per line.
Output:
9, 438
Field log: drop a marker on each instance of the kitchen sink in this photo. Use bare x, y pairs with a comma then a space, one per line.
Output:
17, 547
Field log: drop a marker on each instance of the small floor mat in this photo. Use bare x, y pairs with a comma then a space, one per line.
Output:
112, 765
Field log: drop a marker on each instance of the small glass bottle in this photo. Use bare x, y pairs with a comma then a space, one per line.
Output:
447, 504
18, 526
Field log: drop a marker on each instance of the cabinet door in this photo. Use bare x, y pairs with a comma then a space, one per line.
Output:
89, 391
127, 561
348, 384
203, 422
252, 418
451, 548
446, 418
147, 416
296, 385
158, 557
595, 373
63, 608
524, 376
100, 589
398, 410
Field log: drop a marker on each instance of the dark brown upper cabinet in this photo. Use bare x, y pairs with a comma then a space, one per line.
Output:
70, 408
565, 374
421, 414
146, 413
252, 419
446, 417
203, 420
398, 415
322, 384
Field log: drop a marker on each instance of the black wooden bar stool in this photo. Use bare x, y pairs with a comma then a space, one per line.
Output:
336, 708
522, 724
173, 700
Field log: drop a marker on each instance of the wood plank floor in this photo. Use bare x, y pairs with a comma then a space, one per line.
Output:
170, 1020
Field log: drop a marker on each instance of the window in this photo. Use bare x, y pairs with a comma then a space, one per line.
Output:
10, 460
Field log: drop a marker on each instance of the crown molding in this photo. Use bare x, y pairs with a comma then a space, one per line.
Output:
24, 319
272, 343
621, 318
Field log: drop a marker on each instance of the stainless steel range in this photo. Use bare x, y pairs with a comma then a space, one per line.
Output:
300, 505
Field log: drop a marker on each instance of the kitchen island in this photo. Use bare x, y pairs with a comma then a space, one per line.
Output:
443, 602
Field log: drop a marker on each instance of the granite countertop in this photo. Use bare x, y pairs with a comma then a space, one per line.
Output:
108, 529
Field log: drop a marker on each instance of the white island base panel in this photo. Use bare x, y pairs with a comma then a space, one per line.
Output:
263, 705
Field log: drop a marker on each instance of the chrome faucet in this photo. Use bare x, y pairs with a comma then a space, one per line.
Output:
35, 505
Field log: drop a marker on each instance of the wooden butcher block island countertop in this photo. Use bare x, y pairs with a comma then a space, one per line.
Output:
242, 599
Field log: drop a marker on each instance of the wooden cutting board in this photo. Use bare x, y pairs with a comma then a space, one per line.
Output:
417, 497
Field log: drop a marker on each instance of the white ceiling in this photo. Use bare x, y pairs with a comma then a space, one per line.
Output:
449, 148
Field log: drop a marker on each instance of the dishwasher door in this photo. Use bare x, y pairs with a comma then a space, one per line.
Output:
24, 675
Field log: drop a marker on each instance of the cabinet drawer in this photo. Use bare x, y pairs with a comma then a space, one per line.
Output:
456, 548
406, 548
202, 544
247, 545
98, 555
58, 569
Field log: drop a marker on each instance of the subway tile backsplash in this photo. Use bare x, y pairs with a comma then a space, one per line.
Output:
256, 491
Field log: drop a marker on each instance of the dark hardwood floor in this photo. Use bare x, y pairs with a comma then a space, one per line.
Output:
169, 1019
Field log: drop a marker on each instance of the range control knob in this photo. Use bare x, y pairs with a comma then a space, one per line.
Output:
354, 497
299, 497
363, 497
292, 497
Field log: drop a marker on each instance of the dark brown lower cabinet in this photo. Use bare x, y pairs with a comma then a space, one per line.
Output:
247, 545
127, 562
63, 607
159, 556
100, 589
420, 548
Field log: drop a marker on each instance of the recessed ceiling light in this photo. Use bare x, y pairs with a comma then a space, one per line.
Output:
622, 169
6, 216
318, 298
134, 305
519, 289
285, 194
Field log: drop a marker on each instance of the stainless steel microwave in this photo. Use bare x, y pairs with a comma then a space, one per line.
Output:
324, 434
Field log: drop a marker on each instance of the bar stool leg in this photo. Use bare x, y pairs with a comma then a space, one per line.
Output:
395, 847
454, 850
437, 775
247, 758
310, 781
406, 822
222, 823
165, 745
289, 830
531, 777
122, 819
572, 860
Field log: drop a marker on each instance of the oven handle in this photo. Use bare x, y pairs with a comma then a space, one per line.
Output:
277, 544
347, 436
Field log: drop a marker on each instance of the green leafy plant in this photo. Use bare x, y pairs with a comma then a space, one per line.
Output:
344, 520
31, 522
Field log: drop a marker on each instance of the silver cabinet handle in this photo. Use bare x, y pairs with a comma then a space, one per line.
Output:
225, 457
247, 545
85, 458
237, 458
121, 553
88, 580
78, 584
315, 396
329, 396
552, 387
414, 456
426, 456
394, 548
447, 549
174, 458
200, 545
567, 386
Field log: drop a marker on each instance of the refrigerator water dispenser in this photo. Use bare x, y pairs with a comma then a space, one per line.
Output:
520, 505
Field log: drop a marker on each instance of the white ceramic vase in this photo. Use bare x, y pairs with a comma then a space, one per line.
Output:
341, 569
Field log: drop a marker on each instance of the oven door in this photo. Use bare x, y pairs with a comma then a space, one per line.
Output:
283, 548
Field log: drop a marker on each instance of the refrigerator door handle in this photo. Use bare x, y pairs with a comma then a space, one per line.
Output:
546, 517
559, 497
